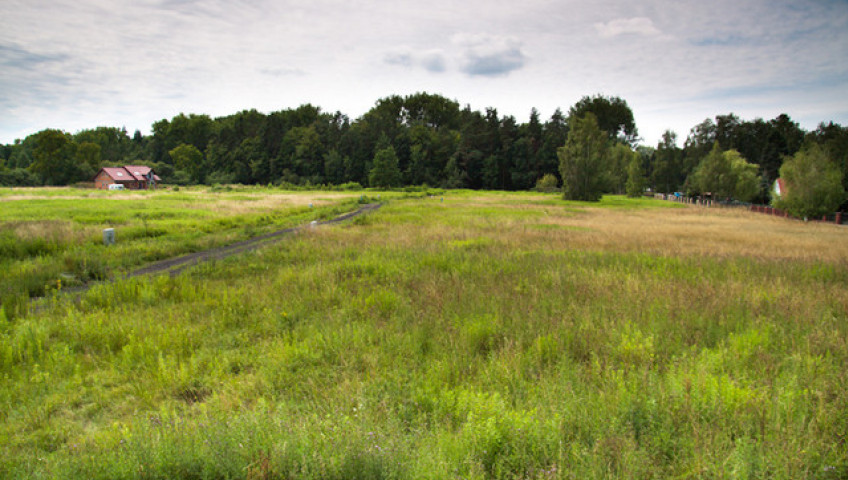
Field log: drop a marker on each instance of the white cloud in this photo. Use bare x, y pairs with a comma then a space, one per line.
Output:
627, 26
472, 54
434, 61
489, 55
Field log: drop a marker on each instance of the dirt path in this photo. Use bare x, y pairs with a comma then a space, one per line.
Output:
177, 264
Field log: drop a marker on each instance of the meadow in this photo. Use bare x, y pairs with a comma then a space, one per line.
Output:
466, 335
52, 238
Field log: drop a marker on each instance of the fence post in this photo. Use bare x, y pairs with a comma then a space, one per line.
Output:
839, 218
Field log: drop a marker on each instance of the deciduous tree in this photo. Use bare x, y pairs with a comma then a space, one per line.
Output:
635, 177
188, 159
584, 160
612, 114
385, 172
726, 175
812, 182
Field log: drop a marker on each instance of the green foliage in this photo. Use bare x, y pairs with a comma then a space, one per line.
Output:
548, 183
635, 177
88, 153
813, 184
436, 143
385, 172
18, 177
54, 158
584, 161
190, 160
726, 175
620, 158
612, 114
747, 181
668, 173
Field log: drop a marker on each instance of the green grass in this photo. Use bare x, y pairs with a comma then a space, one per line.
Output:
54, 239
439, 339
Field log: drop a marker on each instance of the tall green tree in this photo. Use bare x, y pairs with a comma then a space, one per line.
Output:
619, 162
88, 153
190, 160
748, 182
666, 172
612, 114
635, 177
584, 160
334, 167
834, 140
385, 172
726, 175
54, 158
813, 183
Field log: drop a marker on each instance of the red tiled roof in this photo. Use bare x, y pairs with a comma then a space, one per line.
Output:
118, 174
130, 173
140, 172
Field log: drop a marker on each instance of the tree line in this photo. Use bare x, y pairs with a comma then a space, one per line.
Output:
429, 139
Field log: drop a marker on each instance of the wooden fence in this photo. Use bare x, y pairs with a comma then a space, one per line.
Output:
764, 209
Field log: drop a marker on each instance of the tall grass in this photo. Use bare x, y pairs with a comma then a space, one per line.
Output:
52, 239
448, 339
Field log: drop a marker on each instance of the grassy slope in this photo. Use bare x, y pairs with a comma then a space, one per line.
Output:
485, 336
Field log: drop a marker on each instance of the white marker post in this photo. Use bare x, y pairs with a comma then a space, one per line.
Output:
108, 236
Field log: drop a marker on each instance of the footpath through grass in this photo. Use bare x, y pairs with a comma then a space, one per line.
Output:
478, 336
52, 238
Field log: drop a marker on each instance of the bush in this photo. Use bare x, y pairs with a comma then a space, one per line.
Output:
547, 183
18, 177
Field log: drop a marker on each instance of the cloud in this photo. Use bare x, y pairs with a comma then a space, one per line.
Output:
282, 72
627, 26
434, 61
431, 60
489, 55
15, 56
401, 57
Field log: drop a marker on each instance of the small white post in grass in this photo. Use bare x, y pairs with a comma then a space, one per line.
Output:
313, 224
108, 236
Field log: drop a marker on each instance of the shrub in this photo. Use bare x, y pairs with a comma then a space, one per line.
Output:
547, 183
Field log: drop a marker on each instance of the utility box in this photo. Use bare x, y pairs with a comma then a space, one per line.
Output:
108, 236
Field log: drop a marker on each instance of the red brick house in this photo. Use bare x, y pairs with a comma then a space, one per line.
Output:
132, 177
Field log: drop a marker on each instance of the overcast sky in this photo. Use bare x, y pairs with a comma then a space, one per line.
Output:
76, 64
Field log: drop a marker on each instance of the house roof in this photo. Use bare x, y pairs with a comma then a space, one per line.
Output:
141, 172
129, 173
118, 174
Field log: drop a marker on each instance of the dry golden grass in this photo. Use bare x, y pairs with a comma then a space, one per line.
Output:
699, 231
689, 231
261, 201
61, 231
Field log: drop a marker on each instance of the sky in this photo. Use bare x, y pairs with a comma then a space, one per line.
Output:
80, 64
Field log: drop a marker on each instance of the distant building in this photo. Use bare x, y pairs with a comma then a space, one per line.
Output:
132, 177
779, 188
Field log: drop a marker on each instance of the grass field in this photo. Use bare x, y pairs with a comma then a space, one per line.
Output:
474, 335
52, 238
